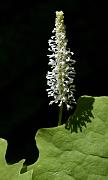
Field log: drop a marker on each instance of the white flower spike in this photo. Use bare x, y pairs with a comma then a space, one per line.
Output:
60, 78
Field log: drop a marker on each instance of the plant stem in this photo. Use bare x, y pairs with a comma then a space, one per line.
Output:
60, 114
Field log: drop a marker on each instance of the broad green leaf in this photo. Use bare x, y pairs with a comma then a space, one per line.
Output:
11, 172
80, 155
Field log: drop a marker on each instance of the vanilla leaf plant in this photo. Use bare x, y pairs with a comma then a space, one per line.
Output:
60, 78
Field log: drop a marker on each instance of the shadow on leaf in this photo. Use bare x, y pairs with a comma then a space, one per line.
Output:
82, 114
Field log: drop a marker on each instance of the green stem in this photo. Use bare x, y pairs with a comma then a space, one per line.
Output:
60, 114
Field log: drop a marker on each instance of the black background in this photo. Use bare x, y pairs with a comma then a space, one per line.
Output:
24, 33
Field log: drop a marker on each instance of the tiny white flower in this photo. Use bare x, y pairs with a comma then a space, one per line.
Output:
60, 78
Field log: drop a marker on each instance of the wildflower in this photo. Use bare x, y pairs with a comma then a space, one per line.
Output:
60, 78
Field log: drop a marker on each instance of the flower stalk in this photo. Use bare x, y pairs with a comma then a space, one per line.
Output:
60, 78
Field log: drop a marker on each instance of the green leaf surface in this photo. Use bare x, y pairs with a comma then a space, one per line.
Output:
81, 154
11, 172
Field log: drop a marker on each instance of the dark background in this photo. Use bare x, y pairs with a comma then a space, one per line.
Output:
24, 33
